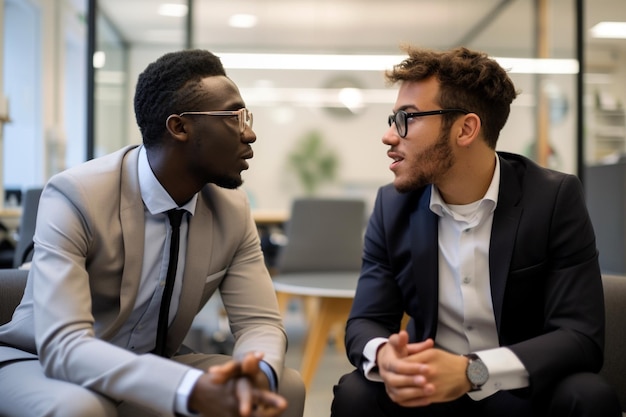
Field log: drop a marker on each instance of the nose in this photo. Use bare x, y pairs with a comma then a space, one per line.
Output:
391, 137
248, 135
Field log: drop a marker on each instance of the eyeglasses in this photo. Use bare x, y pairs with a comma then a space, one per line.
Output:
244, 115
400, 118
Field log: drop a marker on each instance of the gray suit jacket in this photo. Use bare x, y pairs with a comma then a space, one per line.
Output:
85, 275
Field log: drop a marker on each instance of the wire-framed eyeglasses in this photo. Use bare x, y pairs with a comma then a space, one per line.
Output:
243, 115
400, 118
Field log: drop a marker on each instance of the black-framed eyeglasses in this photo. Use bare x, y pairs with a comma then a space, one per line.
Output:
400, 118
243, 115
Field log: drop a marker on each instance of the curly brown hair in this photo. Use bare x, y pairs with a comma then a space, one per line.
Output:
468, 80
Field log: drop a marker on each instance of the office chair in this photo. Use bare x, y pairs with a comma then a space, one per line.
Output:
26, 230
320, 265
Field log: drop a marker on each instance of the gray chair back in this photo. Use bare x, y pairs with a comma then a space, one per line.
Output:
12, 284
323, 234
614, 369
26, 231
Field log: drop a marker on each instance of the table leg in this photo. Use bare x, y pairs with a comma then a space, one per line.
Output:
331, 310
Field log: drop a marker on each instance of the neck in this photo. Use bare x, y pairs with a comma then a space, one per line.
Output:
469, 180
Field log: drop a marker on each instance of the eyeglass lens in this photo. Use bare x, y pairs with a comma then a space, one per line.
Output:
245, 119
399, 119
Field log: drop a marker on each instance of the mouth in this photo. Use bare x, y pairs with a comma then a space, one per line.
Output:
248, 155
397, 159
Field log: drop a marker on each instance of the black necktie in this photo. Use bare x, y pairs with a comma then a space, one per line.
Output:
175, 216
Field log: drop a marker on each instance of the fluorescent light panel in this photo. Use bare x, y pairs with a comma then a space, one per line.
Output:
243, 21
377, 63
173, 9
609, 30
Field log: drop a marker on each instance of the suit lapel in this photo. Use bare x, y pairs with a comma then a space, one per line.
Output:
506, 219
425, 255
132, 220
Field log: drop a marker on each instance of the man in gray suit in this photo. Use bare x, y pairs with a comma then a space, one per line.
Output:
83, 340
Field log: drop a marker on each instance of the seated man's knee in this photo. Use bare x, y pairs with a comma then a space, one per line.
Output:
79, 402
356, 396
584, 394
292, 388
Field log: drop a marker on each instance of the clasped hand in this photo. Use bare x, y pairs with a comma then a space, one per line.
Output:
237, 388
417, 374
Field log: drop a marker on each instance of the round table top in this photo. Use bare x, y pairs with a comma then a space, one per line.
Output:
320, 284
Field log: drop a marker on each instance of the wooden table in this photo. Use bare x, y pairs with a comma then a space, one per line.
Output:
333, 292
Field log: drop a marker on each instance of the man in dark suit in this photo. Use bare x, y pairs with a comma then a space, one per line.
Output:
492, 256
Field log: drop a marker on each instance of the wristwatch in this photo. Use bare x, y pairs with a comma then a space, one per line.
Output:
477, 373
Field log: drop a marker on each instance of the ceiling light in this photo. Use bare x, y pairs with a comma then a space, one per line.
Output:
173, 9
243, 20
99, 59
377, 63
613, 30
539, 65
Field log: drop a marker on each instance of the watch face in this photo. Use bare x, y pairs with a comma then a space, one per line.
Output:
477, 372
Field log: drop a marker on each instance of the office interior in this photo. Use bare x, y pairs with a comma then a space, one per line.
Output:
311, 71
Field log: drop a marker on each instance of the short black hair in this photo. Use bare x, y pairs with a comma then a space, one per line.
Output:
167, 86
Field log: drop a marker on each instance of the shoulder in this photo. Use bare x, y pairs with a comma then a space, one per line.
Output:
529, 172
100, 181
225, 202
524, 180
99, 169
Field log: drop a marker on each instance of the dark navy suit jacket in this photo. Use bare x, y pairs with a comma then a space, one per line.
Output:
545, 279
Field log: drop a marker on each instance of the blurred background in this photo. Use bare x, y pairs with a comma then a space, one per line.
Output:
311, 71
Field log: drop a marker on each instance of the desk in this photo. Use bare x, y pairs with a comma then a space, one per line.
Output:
334, 292
269, 217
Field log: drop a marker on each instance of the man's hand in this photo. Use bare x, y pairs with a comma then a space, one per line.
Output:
403, 377
417, 374
445, 371
234, 389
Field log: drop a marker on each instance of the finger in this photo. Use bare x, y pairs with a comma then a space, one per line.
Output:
400, 368
222, 373
413, 348
250, 363
411, 396
267, 403
405, 381
244, 395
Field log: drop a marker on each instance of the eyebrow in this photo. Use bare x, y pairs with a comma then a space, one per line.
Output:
405, 107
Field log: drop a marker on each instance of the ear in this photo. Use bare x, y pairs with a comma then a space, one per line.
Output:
469, 130
175, 126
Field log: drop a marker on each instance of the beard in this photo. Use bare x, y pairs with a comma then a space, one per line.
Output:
429, 166
230, 183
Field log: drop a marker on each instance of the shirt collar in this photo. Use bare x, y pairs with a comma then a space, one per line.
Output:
154, 196
490, 199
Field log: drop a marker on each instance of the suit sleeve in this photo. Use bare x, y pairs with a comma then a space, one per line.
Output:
64, 323
377, 308
250, 300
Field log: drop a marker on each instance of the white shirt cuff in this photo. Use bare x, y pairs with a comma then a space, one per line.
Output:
506, 372
370, 369
184, 391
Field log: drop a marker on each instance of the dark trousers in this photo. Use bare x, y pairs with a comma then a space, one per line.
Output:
580, 395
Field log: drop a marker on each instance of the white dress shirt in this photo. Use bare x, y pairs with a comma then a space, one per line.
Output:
466, 318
